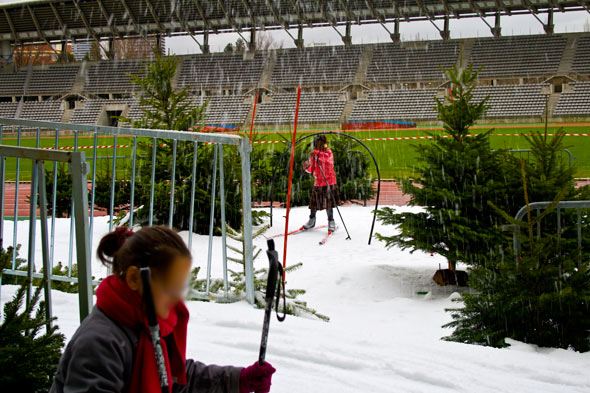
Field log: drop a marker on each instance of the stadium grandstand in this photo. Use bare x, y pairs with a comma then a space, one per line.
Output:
524, 76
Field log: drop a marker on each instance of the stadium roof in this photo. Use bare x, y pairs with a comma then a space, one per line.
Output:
48, 20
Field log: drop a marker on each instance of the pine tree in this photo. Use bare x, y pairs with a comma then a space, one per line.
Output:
458, 175
540, 295
63, 198
29, 353
164, 107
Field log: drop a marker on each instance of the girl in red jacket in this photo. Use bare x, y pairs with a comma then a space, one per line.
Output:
324, 194
112, 349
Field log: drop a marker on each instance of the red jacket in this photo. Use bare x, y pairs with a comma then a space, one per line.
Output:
326, 159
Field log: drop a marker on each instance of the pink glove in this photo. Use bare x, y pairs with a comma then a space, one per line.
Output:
256, 378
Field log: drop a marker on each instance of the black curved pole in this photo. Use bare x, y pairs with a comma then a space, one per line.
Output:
274, 173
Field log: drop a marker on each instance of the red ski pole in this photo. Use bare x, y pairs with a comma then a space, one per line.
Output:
290, 179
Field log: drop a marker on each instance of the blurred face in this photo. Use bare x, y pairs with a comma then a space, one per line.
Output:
319, 144
168, 288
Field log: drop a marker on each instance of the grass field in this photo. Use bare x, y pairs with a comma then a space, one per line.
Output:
68, 141
395, 157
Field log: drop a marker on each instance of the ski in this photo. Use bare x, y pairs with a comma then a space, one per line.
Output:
296, 231
325, 239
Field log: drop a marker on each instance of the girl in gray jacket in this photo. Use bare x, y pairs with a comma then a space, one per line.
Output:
112, 350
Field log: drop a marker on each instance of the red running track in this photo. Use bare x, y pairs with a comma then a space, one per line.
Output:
391, 194
24, 190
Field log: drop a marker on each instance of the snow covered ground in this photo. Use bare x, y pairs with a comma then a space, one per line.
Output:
383, 335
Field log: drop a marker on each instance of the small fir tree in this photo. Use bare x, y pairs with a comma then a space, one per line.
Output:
29, 352
458, 175
164, 107
540, 295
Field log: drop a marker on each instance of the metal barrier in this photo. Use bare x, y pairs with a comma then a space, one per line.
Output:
219, 140
80, 193
569, 153
537, 206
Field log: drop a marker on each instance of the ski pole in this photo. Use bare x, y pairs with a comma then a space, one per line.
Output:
274, 269
332, 195
152, 318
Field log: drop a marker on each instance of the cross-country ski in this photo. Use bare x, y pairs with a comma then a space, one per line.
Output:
325, 239
297, 231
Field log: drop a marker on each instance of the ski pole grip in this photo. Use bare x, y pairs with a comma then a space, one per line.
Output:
273, 261
147, 297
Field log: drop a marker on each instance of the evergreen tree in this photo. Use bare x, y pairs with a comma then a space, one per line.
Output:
540, 295
63, 199
458, 175
29, 353
164, 107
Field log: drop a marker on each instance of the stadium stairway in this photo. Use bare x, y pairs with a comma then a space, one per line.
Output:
267, 70
80, 80
67, 115
465, 54
552, 103
360, 76
565, 65
348, 108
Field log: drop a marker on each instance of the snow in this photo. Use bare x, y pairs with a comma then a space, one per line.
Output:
383, 335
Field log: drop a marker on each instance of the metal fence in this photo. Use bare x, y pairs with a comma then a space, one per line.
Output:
38, 195
54, 130
571, 158
537, 207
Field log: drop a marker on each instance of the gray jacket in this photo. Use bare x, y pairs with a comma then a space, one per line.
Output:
99, 358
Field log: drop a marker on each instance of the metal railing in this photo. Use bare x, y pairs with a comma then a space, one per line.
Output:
154, 136
537, 206
571, 158
79, 169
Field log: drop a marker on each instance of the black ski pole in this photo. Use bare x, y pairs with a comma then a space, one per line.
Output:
274, 270
332, 195
152, 318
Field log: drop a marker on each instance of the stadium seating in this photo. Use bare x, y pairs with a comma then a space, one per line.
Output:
135, 112
518, 56
42, 110
220, 70
313, 108
576, 102
52, 80
512, 100
332, 65
414, 104
8, 109
112, 76
221, 110
12, 83
90, 110
581, 62
402, 80
226, 110
397, 63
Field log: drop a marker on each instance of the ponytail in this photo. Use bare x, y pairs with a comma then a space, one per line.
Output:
154, 247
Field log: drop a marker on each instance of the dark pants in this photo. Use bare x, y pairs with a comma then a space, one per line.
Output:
329, 211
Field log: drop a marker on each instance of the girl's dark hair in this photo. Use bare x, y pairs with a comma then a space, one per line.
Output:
154, 247
320, 142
